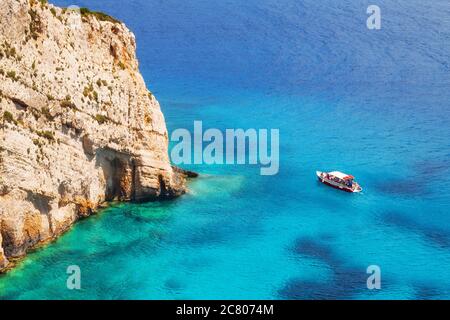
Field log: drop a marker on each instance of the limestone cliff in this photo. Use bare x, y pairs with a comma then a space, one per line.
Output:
78, 126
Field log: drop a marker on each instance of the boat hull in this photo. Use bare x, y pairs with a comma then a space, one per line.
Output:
336, 187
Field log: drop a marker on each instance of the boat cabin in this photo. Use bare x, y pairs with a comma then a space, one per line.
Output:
341, 178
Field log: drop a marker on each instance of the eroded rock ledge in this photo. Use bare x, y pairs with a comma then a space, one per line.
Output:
78, 126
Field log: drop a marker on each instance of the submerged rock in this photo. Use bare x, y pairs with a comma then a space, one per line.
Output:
78, 125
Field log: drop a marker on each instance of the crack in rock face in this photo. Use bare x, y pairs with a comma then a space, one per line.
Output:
78, 125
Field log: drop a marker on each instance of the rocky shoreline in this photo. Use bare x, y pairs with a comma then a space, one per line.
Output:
78, 125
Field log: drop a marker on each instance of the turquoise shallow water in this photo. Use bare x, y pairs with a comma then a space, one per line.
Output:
301, 67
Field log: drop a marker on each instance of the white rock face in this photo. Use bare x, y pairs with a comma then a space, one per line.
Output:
78, 126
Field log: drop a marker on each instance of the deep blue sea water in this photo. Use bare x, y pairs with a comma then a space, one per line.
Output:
373, 103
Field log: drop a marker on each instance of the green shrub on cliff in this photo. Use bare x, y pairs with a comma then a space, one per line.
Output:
85, 12
43, 3
35, 24
8, 117
67, 103
12, 75
46, 113
101, 119
46, 134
